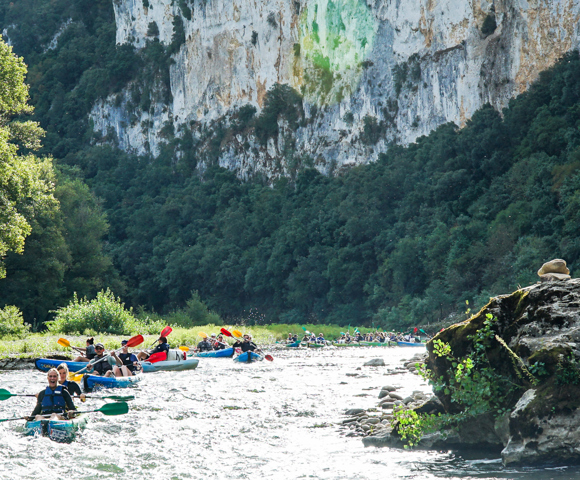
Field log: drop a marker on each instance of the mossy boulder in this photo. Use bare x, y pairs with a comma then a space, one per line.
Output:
537, 353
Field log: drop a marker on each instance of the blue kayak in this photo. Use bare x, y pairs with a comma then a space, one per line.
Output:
91, 382
226, 352
57, 430
410, 344
45, 364
296, 344
253, 357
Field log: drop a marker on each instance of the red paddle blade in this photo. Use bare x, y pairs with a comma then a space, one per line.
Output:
157, 357
134, 341
270, 358
166, 331
225, 332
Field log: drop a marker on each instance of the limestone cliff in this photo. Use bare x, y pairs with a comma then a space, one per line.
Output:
401, 68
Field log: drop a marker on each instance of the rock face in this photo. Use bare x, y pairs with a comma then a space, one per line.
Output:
370, 72
540, 325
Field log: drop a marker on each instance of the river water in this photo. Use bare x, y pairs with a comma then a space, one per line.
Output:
269, 420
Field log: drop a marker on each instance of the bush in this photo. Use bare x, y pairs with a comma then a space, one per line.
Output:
104, 314
11, 322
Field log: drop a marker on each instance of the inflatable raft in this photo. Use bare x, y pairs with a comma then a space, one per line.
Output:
58, 430
248, 357
226, 352
91, 382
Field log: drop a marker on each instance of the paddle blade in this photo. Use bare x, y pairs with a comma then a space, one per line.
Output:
166, 331
74, 377
64, 342
226, 332
114, 408
4, 394
157, 357
120, 398
183, 348
237, 334
270, 358
304, 328
202, 334
134, 341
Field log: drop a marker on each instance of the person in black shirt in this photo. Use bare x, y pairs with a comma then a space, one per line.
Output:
163, 346
246, 345
54, 401
73, 387
99, 365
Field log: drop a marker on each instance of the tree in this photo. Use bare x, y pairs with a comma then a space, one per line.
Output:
26, 182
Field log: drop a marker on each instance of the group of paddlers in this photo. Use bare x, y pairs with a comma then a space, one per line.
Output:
217, 342
346, 337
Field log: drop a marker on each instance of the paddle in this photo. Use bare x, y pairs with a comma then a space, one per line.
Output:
164, 333
107, 409
132, 342
5, 394
117, 398
65, 343
183, 348
157, 357
202, 334
238, 334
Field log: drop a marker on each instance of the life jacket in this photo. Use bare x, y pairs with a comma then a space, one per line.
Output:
128, 359
53, 401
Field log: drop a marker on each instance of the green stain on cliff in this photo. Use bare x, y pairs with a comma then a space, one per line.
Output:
335, 37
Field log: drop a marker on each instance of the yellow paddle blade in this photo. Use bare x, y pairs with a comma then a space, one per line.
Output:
202, 335
64, 342
75, 378
237, 334
183, 348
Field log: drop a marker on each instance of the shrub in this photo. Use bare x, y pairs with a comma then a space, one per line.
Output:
11, 322
104, 314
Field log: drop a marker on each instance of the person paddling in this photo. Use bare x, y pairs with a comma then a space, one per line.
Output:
55, 400
162, 346
99, 365
220, 343
89, 351
247, 345
127, 363
72, 387
204, 345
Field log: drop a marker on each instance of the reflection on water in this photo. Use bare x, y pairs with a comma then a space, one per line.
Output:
269, 420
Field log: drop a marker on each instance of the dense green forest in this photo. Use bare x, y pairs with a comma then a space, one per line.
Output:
460, 215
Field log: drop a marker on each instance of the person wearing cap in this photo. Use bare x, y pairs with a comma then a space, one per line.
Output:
162, 346
246, 345
99, 365
204, 346
127, 363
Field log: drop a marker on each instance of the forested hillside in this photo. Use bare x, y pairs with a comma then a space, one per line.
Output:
460, 215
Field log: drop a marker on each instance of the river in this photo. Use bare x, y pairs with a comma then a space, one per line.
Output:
269, 420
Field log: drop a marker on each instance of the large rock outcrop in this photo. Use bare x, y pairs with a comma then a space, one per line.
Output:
540, 324
371, 71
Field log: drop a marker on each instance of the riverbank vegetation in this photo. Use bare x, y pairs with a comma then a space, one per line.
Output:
462, 214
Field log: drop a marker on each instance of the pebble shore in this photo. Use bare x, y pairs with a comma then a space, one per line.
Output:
360, 422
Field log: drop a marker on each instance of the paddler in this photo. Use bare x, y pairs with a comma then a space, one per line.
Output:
100, 365
220, 343
54, 401
162, 346
127, 363
72, 387
247, 345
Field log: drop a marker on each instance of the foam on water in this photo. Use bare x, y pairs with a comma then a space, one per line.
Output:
269, 420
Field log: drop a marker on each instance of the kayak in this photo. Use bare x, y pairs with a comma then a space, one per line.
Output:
57, 430
375, 344
243, 357
294, 344
45, 364
226, 352
410, 344
315, 345
91, 382
169, 365
347, 344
